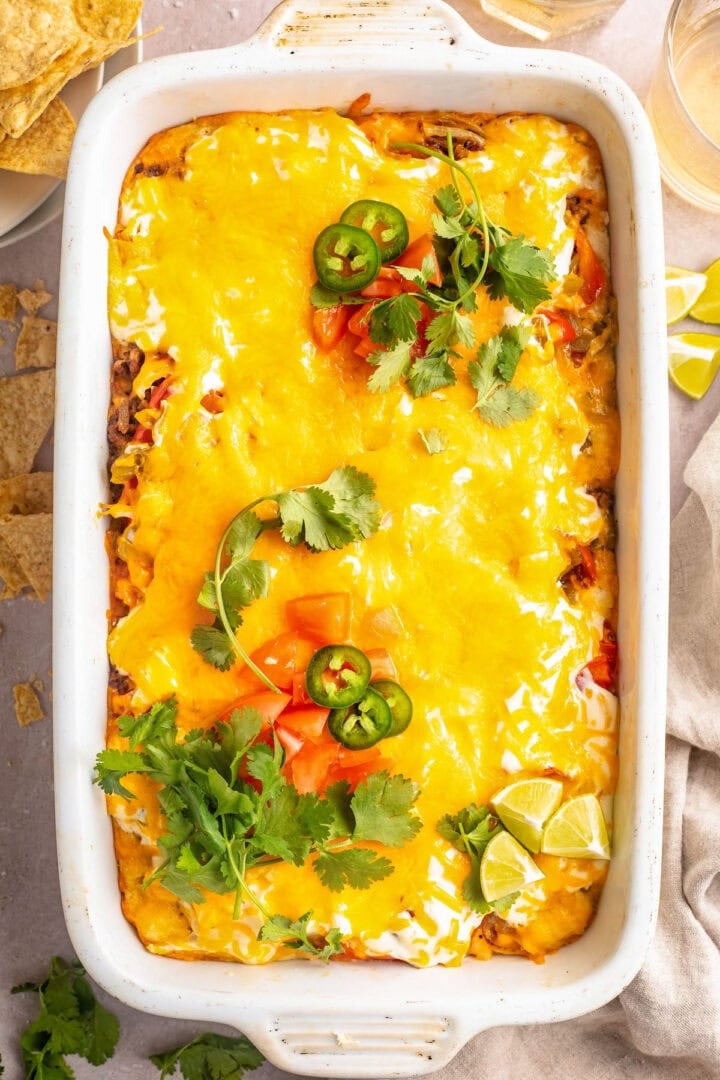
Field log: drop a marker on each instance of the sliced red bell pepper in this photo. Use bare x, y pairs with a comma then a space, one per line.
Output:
567, 330
590, 267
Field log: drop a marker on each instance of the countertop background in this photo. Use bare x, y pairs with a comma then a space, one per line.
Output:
31, 922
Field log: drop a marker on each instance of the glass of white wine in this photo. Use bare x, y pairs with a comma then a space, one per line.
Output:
545, 19
684, 102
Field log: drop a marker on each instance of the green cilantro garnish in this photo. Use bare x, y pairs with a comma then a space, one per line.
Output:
294, 935
219, 824
470, 831
339, 511
210, 1057
498, 402
71, 1021
434, 440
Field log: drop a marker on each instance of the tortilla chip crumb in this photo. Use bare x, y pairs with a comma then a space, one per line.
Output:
29, 540
8, 302
27, 705
31, 300
10, 573
35, 347
30, 493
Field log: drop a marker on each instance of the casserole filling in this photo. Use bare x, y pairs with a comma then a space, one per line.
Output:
405, 525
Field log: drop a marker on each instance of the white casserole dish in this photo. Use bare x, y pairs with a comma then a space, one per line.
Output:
371, 1018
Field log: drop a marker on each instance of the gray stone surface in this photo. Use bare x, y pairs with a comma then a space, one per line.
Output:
31, 922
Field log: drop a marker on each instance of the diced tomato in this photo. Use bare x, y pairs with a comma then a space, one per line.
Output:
291, 742
354, 775
351, 758
329, 325
359, 323
285, 655
382, 665
416, 253
325, 616
366, 347
268, 704
567, 330
308, 721
601, 671
388, 283
142, 434
300, 695
590, 267
310, 766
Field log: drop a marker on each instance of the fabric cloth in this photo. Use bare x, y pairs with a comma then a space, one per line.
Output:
666, 1024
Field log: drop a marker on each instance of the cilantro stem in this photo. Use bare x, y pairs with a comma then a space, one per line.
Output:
237, 647
479, 218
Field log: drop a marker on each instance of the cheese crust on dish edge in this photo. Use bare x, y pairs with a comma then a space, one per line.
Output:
491, 580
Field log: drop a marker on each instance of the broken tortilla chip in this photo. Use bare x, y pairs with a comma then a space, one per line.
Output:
35, 346
44, 148
108, 19
8, 302
26, 413
32, 36
31, 300
27, 704
11, 574
28, 494
29, 538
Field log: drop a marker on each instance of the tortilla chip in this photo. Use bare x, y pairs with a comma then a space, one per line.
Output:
28, 494
44, 148
11, 574
8, 302
33, 34
108, 19
27, 704
29, 538
32, 300
35, 346
26, 413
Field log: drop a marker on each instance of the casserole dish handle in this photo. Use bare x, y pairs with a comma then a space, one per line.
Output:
367, 25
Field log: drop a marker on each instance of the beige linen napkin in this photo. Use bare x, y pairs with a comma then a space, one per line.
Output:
666, 1025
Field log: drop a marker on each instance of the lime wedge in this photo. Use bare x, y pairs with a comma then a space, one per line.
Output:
506, 868
525, 806
693, 361
682, 289
577, 830
707, 308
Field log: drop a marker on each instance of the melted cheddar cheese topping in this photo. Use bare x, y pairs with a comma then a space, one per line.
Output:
210, 274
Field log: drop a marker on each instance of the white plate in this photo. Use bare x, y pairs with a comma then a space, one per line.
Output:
28, 203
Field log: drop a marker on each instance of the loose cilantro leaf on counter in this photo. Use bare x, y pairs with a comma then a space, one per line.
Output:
434, 440
210, 1057
229, 807
71, 1021
470, 831
340, 511
294, 935
499, 403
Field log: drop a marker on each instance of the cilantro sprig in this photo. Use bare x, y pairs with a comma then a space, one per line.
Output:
339, 511
71, 1021
210, 1057
295, 935
470, 831
229, 808
498, 402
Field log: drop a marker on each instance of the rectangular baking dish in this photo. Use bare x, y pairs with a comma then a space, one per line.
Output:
369, 1019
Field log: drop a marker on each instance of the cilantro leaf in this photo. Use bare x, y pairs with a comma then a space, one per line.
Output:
357, 868
434, 440
519, 270
391, 365
382, 806
210, 1057
71, 1021
447, 201
508, 404
294, 935
470, 831
160, 718
448, 329
430, 373
214, 646
354, 495
112, 765
498, 402
394, 319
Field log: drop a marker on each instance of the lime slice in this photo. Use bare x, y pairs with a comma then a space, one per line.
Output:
693, 361
506, 868
707, 308
577, 830
682, 289
525, 806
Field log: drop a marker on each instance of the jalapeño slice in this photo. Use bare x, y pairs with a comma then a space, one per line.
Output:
399, 703
337, 676
385, 223
346, 259
362, 724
